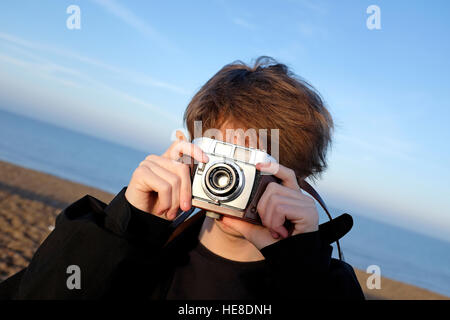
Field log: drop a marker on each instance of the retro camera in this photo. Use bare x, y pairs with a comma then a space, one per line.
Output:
229, 183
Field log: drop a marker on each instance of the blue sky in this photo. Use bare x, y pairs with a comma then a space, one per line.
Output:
129, 72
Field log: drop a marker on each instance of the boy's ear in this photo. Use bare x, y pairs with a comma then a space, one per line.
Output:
180, 135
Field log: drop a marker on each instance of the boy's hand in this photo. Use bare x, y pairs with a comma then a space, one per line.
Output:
278, 203
161, 185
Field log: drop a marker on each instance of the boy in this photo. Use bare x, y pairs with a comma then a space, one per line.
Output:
120, 248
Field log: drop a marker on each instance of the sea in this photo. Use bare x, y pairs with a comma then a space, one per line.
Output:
399, 253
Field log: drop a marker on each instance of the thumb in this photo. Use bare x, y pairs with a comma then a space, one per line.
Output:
258, 235
244, 228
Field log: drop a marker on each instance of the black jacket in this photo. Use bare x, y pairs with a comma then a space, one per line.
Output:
121, 253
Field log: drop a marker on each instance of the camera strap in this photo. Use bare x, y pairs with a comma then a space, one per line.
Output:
309, 189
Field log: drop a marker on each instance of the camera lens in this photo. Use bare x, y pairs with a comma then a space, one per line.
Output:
223, 181
220, 178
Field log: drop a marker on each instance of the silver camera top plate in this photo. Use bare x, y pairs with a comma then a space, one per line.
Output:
232, 151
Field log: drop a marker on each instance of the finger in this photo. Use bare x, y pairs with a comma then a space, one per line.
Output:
173, 180
258, 235
153, 182
274, 234
274, 188
182, 170
278, 218
244, 228
180, 135
271, 189
278, 200
290, 212
273, 218
286, 175
281, 231
180, 148
271, 209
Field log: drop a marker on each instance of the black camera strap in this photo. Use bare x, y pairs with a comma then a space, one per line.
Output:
308, 188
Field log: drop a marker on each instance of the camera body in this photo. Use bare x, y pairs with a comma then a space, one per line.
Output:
229, 183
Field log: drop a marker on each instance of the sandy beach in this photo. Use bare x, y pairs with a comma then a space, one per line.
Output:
31, 200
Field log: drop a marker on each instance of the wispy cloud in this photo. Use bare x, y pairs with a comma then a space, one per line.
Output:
241, 19
125, 74
73, 78
244, 23
44, 68
140, 25
309, 30
314, 6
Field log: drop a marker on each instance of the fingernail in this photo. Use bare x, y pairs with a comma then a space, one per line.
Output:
205, 158
260, 165
186, 205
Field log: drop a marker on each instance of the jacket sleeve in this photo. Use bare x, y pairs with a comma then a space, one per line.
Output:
97, 239
301, 266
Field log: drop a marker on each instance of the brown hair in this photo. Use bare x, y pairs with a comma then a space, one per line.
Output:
268, 95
